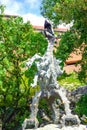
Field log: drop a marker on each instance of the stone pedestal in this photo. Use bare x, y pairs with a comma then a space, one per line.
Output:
56, 127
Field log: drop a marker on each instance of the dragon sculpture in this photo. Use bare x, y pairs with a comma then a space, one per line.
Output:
48, 70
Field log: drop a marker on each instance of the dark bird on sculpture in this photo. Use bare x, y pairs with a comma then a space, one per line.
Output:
48, 31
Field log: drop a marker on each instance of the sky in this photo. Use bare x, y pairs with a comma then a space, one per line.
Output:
28, 9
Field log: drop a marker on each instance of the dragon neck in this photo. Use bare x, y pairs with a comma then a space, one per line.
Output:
50, 47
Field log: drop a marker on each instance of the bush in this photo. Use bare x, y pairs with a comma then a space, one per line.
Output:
81, 106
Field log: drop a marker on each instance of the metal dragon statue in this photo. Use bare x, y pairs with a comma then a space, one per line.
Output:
48, 70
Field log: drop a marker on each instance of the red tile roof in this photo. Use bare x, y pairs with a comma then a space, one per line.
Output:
56, 29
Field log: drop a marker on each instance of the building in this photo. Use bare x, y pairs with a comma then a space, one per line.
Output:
6, 16
58, 31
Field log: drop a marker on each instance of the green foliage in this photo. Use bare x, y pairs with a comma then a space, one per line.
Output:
2, 7
83, 72
81, 106
18, 42
66, 45
66, 11
43, 107
70, 81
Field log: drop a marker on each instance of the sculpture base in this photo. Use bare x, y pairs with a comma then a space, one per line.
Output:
70, 120
56, 127
30, 124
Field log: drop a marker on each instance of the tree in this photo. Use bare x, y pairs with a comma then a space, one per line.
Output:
66, 11
18, 42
